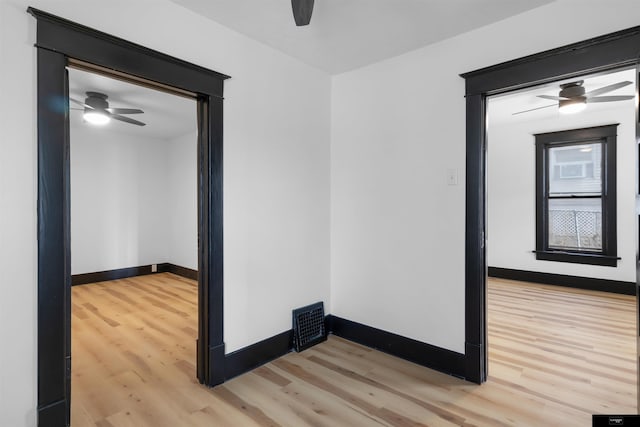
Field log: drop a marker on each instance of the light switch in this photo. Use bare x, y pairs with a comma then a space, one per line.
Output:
452, 176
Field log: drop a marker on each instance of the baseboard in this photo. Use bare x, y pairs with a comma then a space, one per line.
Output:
430, 356
250, 357
53, 415
103, 276
604, 285
178, 270
123, 273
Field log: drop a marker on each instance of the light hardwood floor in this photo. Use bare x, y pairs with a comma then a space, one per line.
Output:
556, 356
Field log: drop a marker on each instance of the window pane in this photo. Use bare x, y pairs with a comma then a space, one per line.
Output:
575, 224
575, 169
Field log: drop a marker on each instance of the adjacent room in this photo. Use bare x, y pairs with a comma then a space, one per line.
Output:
559, 190
133, 212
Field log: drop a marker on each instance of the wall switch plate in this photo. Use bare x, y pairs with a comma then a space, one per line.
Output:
154, 268
452, 176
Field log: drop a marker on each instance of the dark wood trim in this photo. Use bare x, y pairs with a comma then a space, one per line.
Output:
599, 53
602, 53
475, 248
589, 283
54, 272
250, 357
569, 136
203, 359
605, 135
430, 356
59, 40
215, 267
178, 270
577, 258
87, 44
103, 276
50, 415
141, 270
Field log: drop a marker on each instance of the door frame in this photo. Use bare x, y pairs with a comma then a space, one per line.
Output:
58, 43
598, 54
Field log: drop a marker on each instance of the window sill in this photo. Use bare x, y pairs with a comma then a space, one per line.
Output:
577, 258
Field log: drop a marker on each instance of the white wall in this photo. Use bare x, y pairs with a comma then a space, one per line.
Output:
397, 228
277, 128
511, 173
276, 175
119, 196
133, 200
182, 202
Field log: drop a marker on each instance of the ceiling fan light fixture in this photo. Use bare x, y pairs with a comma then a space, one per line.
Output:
573, 105
96, 117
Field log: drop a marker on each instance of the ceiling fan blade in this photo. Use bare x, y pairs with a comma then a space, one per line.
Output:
534, 109
610, 98
125, 110
608, 88
126, 120
302, 10
553, 98
82, 104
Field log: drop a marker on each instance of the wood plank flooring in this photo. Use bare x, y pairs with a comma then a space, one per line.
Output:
556, 356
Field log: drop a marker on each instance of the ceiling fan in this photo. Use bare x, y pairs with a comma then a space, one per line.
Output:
98, 112
573, 98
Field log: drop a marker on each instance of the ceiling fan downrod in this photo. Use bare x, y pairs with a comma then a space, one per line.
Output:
302, 10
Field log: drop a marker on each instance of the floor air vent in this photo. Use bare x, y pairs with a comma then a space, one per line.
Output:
308, 326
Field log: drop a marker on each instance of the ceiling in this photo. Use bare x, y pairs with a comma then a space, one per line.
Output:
166, 116
348, 34
502, 107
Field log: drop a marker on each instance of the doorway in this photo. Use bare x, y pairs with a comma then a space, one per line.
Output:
595, 55
60, 42
564, 321
133, 211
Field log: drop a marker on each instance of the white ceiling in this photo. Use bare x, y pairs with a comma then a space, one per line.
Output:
502, 107
166, 116
348, 34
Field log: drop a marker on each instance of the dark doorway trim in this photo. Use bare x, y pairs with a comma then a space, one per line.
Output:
58, 42
598, 54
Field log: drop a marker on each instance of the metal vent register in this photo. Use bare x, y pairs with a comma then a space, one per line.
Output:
308, 326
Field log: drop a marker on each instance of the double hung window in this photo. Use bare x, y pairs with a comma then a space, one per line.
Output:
576, 196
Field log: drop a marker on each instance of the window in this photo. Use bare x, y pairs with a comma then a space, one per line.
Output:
576, 196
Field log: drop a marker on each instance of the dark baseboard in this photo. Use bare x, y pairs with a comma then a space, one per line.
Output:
178, 270
446, 361
123, 273
255, 355
605, 285
53, 414
250, 357
103, 276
